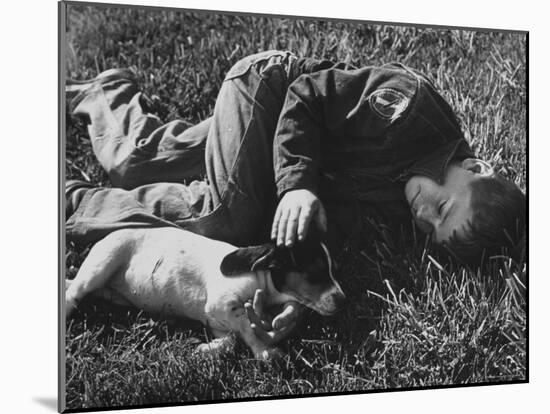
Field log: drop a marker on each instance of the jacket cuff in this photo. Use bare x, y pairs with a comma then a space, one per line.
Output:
296, 178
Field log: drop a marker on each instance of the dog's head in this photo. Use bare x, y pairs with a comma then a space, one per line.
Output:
304, 272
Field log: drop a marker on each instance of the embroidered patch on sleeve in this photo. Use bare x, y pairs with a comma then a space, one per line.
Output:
388, 103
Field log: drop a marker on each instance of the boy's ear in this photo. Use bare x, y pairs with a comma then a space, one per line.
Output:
477, 166
247, 259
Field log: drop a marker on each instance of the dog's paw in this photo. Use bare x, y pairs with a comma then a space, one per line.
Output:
216, 346
204, 348
270, 354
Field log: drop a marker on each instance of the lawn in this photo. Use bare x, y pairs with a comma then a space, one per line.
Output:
415, 319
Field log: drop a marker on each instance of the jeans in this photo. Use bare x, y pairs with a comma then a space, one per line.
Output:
150, 164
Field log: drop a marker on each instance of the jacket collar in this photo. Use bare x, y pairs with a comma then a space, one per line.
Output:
435, 164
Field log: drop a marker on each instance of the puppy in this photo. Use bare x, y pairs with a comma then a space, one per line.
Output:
177, 273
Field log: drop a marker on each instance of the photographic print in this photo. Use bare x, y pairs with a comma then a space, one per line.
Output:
267, 206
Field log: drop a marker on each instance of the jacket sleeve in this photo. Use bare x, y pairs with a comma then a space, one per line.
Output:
335, 103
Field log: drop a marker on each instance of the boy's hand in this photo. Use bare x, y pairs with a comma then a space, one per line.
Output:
272, 331
294, 213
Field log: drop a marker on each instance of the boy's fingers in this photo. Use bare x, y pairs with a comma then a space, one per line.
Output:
303, 223
291, 226
275, 225
281, 231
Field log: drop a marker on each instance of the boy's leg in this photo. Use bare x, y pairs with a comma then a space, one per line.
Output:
238, 161
102, 210
133, 146
239, 149
135, 149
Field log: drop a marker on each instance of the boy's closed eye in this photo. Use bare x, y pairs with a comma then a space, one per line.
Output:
441, 206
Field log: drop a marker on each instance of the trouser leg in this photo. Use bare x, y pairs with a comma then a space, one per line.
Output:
136, 150
239, 150
103, 210
239, 163
135, 147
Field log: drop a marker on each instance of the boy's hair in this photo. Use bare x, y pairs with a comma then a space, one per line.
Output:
498, 223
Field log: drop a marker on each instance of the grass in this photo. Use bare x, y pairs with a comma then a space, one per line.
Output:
414, 321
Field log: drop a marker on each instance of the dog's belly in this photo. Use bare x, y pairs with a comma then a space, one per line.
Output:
165, 283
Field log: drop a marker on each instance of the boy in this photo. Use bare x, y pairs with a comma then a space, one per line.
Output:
292, 141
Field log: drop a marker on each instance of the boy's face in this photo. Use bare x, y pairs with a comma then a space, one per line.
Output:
443, 209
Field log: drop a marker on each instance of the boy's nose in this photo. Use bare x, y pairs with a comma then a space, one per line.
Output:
423, 218
424, 212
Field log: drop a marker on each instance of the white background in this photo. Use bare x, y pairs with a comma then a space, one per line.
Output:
28, 200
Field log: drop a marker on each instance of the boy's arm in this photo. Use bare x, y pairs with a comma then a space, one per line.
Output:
324, 104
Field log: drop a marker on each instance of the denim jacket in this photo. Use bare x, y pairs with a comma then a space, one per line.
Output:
357, 135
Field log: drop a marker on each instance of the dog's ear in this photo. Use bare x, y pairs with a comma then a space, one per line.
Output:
246, 259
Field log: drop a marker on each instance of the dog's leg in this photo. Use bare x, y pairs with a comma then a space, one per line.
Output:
260, 349
100, 264
107, 294
112, 296
220, 345
239, 322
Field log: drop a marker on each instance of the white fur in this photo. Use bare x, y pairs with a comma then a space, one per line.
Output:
176, 273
